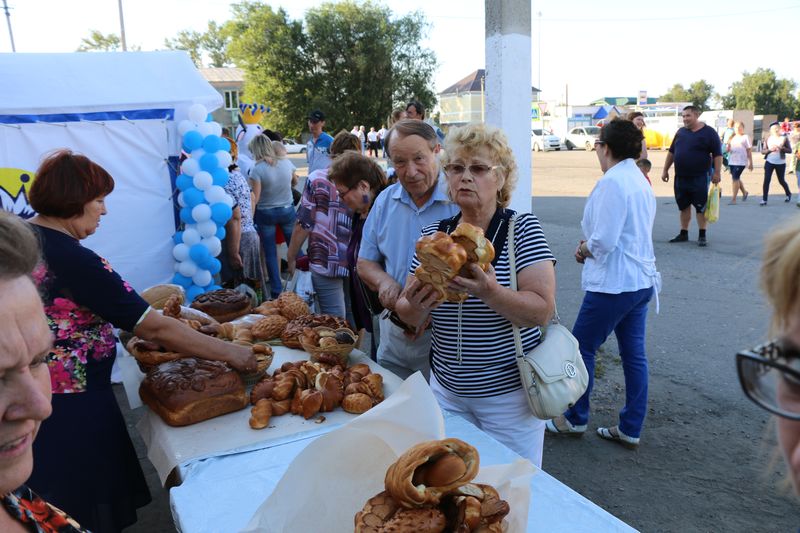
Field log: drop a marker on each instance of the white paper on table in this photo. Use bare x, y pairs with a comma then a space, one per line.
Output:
334, 476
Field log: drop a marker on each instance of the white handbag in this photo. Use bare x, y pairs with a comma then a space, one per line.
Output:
553, 373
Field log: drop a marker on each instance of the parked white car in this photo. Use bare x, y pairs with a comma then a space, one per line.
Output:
582, 137
293, 147
544, 140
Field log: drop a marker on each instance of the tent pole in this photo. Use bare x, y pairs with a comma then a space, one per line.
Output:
121, 27
8, 20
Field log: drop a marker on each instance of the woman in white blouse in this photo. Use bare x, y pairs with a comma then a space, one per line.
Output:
619, 277
775, 150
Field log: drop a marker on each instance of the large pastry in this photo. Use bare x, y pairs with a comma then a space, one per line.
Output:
150, 354
431, 469
223, 305
187, 391
442, 257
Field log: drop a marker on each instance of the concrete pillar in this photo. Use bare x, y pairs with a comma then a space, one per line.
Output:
508, 84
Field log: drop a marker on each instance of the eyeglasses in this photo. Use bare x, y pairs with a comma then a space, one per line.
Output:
476, 171
768, 373
598, 141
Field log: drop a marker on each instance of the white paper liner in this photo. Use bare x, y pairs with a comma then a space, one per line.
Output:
334, 476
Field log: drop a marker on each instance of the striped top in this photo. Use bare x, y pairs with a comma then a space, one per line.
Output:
487, 366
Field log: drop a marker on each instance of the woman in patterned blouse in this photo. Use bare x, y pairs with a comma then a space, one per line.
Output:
25, 341
86, 463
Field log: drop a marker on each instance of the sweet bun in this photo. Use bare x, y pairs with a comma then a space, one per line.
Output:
223, 305
479, 249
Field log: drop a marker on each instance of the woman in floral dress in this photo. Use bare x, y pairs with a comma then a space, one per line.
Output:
85, 461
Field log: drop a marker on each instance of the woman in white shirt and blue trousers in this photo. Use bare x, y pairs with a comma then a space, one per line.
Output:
619, 277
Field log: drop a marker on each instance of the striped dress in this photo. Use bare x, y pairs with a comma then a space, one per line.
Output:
483, 363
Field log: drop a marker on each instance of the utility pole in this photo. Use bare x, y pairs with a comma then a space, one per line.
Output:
539, 80
10, 33
121, 27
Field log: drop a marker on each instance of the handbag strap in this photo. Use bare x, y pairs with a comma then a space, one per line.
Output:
513, 274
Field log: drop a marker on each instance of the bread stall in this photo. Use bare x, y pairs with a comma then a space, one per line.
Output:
326, 423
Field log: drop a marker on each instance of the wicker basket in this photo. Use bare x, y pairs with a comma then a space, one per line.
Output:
263, 362
340, 351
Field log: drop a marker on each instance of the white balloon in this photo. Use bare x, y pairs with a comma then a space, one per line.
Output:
191, 236
177, 265
224, 158
185, 126
180, 252
187, 268
207, 229
202, 277
228, 200
198, 113
215, 194
190, 167
203, 181
205, 129
216, 129
197, 154
213, 244
201, 213
181, 202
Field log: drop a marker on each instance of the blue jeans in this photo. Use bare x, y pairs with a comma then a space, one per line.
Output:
332, 295
625, 314
266, 221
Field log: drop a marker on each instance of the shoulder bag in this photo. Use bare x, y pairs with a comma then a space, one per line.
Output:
553, 374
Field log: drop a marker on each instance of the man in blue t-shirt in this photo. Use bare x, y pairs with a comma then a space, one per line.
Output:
693, 149
319, 145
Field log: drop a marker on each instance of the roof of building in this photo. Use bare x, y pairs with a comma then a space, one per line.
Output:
471, 83
224, 74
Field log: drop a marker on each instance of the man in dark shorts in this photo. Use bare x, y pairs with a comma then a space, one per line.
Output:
692, 150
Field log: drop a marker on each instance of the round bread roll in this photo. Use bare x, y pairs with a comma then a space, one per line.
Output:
157, 295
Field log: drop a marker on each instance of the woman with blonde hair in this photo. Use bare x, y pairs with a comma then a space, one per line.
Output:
271, 181
770, 373
473, 354
740, 153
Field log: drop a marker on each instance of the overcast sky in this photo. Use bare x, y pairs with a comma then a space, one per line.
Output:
610, 48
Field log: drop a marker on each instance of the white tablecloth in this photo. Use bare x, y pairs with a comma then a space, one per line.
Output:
169, 447
220, 494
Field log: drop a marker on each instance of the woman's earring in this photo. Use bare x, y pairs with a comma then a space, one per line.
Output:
365, 198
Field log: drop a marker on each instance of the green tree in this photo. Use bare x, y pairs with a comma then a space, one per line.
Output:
213, 43
99, 42
353, 60
764, 93
699, 93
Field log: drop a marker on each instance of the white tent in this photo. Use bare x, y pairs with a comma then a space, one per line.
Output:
121, 111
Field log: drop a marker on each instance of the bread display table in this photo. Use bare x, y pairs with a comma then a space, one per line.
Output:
221, 493
170, 447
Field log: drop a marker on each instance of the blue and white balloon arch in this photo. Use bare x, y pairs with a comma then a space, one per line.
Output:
205, 206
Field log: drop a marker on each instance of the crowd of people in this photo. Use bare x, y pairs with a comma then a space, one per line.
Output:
356, 228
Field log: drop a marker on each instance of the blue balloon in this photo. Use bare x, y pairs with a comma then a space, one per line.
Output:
213, 288
214, 266
221, 233
193, 292
183, 281
221, 213
211, 144
183, 182
186, 215
178, 237
207, 263
224, 144
193, 197
209, 162
192, 140
219, 176
198, 253
209, 118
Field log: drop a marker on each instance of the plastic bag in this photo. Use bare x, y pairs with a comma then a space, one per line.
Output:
301, 284
712, 204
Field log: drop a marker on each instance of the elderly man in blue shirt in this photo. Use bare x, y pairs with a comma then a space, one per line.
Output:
390, 232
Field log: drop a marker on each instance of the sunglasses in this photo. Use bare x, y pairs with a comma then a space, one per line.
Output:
477, 171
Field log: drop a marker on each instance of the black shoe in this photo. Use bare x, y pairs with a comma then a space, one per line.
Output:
788, 199
701, 241
680, 238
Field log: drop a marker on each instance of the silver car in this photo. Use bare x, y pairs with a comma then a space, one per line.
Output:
293, 147
582, 137
543, 140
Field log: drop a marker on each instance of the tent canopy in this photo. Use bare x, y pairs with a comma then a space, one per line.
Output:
96, 82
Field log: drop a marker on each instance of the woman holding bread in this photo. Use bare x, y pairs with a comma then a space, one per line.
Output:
473, 357
86, 464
